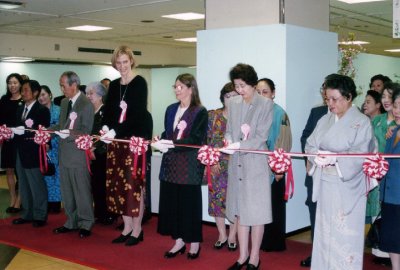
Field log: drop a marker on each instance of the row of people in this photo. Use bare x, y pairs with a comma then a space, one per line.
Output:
248, 203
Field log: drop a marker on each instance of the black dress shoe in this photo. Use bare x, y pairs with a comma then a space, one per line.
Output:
232, 246
253, 267
38, 223
83, 233
382, 261
219, 244
169, 255
306, 262
62, 229
121, 238
192, 256
19, 221
132, 240
238, 265
13, 210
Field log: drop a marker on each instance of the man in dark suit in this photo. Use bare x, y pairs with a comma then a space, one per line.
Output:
32, 186
315, 114
76, 118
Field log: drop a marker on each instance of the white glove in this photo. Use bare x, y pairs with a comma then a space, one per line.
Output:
159, 146
167, 143
109, 135
231, 148
63, 133
104, 130
18, 130
324, 161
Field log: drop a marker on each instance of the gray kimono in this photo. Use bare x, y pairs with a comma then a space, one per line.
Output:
249, 189
340, 190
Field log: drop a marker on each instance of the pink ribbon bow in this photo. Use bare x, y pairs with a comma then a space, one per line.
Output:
245, 128
42, 136
208, 156
181, 126
72, 117
29, 123
280, 162
85, 143
5, 133
138, 147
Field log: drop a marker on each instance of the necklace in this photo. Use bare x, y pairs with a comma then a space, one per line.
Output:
122, 96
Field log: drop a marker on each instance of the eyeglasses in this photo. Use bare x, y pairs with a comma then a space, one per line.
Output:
231, 94
177, 87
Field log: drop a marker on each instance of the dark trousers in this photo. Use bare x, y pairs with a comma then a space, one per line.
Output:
275, 232
312, 206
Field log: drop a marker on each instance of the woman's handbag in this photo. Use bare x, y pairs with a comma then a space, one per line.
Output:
51, 168
372, 239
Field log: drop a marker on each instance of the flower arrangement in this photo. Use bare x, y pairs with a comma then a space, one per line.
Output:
348, 53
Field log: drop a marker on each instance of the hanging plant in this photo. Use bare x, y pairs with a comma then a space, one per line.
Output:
349, 51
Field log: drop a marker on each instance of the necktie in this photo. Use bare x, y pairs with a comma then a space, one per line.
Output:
69, 109
25, 114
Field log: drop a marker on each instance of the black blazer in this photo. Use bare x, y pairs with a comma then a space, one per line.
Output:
315, 114
27, 149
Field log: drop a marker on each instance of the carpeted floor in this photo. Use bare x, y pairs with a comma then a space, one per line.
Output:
97, 251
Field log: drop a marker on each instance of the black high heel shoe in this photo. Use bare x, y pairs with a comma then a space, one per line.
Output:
253, 267
238, 265
169, 254
132, 240
192, 256
219, 244
121, 239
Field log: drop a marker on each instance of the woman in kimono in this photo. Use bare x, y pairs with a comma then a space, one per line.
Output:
249, 191
181, 174
339, 182
390, 191
217, 120
280, 136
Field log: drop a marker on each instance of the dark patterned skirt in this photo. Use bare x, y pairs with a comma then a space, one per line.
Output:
123, 191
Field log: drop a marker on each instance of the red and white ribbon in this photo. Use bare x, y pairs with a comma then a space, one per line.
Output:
280, 162
245, 128
124, 107
138, 147
42, 137
72, 117
85, 143
5, 133
375, 167
208, 156
181, 126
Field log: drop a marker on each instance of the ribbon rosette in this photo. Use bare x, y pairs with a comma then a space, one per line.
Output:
208, 156
124, 107
72, 117
5, 133
375, 167
138, 147
181, 126
29, 123
245, 128
42, 136
280, 162
84, 142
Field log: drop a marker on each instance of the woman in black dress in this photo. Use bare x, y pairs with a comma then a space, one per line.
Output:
126, 115
8, 109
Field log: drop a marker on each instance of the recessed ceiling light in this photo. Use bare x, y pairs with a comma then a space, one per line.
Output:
16, 59
359, 1
89, 28
185, 16
10, 5
355, 42
190, 39
393, 50
167, 36
147, 21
